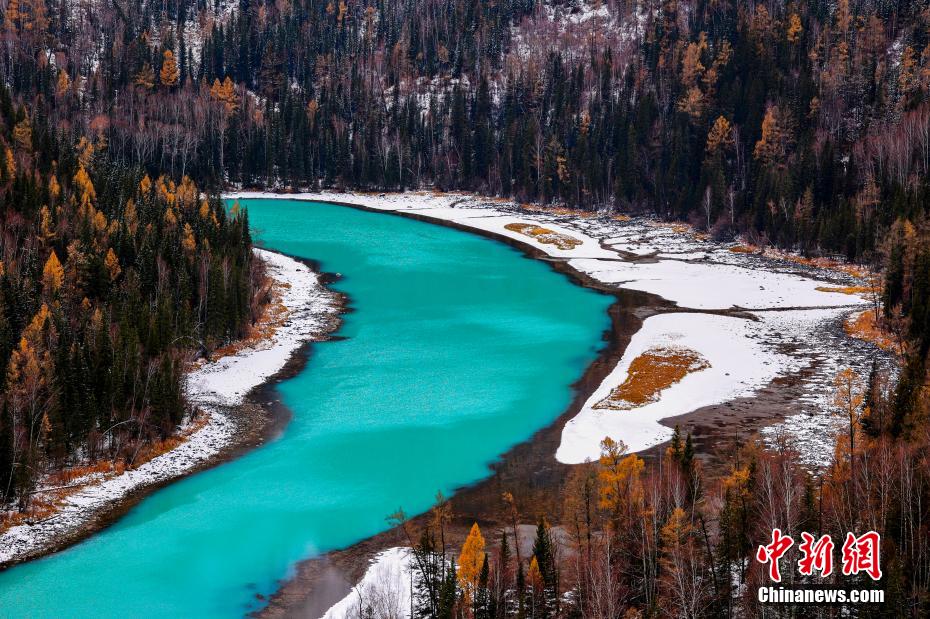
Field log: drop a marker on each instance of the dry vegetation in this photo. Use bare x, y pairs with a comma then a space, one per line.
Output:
650, 373
545, 235
851, 290
153, 450
564, 210
61, 484
821, 262
865, 326
677, 227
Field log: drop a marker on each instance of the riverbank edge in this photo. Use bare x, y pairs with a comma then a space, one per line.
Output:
258, 418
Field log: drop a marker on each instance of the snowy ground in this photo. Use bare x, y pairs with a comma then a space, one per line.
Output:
791, 318
213, 387
739, 364
384, 591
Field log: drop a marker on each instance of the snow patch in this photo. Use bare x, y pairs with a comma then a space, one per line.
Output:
739, 364
384, 590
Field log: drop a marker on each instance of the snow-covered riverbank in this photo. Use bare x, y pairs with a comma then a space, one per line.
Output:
751, 318
384, 591
309, 311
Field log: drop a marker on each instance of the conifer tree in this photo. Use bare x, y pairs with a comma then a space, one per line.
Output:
470, 563
169, 73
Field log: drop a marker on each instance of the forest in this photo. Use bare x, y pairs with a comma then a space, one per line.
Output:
107, 280
663, 539
801, 124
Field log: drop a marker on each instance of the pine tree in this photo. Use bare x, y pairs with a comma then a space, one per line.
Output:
483, 608
544, 558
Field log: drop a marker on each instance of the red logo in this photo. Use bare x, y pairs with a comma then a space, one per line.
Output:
859, 554
773, 552
816, 555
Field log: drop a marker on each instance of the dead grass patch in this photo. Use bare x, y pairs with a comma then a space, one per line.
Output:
545, 235
574, 212
152, 450
59, 485
39, 508
848, 289
825, 263
829, 264
866, 326
651, 373
69, 475
675, 226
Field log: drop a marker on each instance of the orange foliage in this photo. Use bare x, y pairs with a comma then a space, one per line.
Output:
650, 373
865, 326
545, 235
848, 289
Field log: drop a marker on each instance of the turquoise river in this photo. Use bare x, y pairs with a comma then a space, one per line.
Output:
457, 348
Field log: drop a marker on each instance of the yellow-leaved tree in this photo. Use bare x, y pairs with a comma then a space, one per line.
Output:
63, 83
795, 29
619, 478
22, 134
145, 78
169, 73
9, 163
29, 395
848, 399
112, 264
225, 93
85, 187
772, 145
471, 560
46, 226
53, 274
683, 583
188, 241
720, 136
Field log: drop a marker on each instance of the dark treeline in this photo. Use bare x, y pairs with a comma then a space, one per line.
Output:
803, 123
106, 279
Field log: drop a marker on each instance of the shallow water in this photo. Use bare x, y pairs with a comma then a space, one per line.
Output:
458, 347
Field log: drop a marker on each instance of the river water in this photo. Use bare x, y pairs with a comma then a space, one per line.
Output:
457, 348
